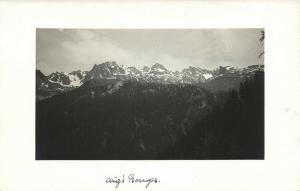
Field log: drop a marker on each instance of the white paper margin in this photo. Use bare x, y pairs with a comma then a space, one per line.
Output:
279, 171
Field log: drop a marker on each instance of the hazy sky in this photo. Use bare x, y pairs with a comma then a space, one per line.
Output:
67, 50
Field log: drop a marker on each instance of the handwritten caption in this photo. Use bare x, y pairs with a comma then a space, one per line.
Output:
131, 179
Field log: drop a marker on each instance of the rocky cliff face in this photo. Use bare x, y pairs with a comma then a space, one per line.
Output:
221, 78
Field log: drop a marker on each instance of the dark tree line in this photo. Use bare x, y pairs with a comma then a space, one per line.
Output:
135, 122
234, 130
152, 121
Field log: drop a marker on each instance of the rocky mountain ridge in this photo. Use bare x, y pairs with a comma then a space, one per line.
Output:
58, 82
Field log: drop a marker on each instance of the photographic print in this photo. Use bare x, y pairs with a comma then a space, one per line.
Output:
149, 94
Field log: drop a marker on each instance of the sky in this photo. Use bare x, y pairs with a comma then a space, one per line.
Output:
66, 50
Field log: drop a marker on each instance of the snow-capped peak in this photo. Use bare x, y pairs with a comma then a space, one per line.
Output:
157, 73
159, 69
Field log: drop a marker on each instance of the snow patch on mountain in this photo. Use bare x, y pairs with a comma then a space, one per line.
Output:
157, 73
207, 76
75, 80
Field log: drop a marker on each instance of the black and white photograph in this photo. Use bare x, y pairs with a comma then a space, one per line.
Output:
147, 94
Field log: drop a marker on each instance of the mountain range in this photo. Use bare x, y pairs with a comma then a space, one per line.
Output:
116, 112
222, 78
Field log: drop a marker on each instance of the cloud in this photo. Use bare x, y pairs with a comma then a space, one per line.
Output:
87, 48
69, 49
